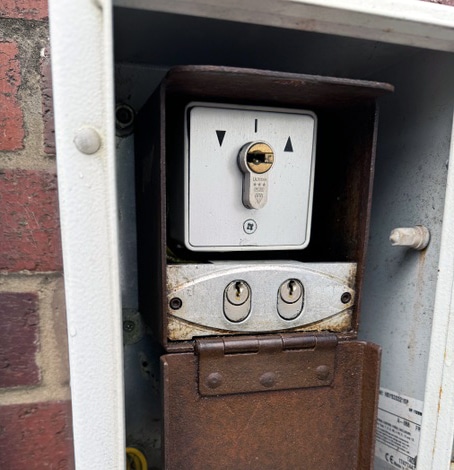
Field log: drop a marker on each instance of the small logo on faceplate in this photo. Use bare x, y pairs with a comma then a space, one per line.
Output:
250, 226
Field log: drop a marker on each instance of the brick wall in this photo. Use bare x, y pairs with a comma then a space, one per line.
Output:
35, 411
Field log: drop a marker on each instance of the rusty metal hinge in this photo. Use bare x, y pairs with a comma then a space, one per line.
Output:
232, 365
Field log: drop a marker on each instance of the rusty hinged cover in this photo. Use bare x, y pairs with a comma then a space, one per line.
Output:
257, 363
323, 428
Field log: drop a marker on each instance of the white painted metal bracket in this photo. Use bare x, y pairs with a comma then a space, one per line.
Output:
409, 22
81, 36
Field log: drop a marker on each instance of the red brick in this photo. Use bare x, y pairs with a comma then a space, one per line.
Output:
11, 116
24, 9
18, 339
47, 105
36, 436
30, 235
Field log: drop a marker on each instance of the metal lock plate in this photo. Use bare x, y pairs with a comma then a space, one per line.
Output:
233, 297
248, 177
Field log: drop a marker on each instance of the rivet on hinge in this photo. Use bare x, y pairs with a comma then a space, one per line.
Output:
268, 379
322, 372
214, 380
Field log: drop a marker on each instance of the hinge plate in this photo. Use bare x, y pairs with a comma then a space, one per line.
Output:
258, 363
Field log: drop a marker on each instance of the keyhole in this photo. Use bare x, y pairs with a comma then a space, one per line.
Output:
291, 291
237, 293
257, 158
291, 287
239, 289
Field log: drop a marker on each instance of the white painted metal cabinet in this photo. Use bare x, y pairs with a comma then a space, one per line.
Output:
407, 301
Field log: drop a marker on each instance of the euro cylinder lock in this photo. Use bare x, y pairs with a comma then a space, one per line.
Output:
255, 160
246, 170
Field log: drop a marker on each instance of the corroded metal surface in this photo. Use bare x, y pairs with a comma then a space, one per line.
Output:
177, 328
321, 428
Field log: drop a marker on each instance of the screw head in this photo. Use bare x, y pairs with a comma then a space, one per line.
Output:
124, 119
346, 297
175, 303
128, 326
249, 226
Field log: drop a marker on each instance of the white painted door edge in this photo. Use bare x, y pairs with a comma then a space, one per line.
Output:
83, 83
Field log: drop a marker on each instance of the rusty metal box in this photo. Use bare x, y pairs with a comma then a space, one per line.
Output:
299, 398
346, 113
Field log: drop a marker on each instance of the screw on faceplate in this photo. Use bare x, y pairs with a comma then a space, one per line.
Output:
249, 226
128, 326
175, 303
346, 297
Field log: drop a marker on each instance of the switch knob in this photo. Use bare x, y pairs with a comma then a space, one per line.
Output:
255, 160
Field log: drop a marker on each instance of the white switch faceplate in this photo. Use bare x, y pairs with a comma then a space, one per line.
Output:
215, 217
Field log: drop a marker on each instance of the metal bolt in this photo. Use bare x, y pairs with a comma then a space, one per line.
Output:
268, 379
175, 303
214, 380
237, 292
124, 119
87, 140
322, 372
346, 297
249, 226
417, 237
128, 326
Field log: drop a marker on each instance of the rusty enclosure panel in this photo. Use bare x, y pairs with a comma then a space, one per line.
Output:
347, 125
323, 428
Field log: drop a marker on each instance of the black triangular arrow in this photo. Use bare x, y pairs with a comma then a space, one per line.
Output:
288, 146
221, 135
